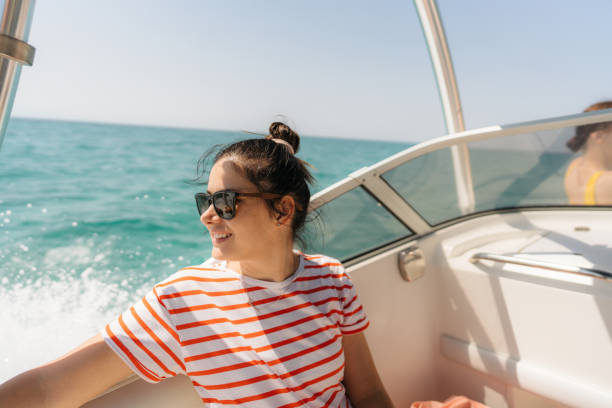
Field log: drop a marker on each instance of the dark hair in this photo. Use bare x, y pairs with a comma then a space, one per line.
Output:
272, 167
583, 132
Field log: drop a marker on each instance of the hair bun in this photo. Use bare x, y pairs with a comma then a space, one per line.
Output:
278, 130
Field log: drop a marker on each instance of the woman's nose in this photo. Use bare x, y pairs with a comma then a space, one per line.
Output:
209, 216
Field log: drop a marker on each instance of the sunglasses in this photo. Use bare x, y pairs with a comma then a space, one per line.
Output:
224, 202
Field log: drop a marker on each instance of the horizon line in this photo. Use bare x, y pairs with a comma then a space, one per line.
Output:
178, 127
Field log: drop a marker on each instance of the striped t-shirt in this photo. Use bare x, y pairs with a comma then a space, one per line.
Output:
243, 341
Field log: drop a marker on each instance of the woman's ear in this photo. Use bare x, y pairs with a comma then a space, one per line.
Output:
285, 208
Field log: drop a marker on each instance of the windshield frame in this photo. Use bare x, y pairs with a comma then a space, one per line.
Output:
371, 177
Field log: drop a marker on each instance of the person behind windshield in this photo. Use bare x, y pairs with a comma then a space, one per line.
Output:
258, 324
588, 179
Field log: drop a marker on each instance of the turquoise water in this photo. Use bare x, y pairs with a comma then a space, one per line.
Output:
92, 215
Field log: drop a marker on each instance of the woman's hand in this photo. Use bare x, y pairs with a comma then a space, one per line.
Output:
69, 381
360, 376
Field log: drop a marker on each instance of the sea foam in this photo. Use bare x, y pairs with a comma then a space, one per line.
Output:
46, 319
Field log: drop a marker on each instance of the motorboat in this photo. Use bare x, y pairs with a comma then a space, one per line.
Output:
478, 278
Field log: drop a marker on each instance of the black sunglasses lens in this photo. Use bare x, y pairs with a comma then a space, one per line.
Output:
224, 202
202, 202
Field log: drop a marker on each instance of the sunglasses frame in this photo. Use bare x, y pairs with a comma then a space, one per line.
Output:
210, 198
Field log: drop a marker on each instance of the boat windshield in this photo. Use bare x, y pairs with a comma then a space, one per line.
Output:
510, 169
356, 222
523, 170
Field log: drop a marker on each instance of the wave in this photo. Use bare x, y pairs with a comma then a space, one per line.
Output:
44, 320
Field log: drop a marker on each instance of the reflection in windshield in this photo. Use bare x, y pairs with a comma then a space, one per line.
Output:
588, 180
519, 171
525, 170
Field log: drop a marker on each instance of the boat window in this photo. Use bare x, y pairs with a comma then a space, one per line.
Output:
352, 224
427, 183
520, 171
525, 170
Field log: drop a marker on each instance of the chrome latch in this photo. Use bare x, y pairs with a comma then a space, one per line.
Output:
411, 263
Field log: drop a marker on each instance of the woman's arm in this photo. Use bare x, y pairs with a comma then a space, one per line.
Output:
360, 376
69, 381
603, 189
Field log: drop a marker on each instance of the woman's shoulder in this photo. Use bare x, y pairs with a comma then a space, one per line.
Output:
603, 188
323, 266
212, 272
320, 261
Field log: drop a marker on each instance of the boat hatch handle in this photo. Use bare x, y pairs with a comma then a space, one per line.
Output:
16, 50
578, 270
411, 263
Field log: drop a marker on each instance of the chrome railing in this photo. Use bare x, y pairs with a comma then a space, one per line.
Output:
441, 60
551, 266
14, 52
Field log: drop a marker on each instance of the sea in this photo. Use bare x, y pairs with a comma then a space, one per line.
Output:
93, 215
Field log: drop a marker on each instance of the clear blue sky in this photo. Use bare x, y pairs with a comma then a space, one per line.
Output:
336, 68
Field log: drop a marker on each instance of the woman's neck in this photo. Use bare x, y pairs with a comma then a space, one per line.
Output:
275, 267
596, 160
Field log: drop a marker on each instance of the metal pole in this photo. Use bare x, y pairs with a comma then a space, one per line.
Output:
14, 52
449, 95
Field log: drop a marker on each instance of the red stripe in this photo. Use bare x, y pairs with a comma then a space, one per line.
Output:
261, 362
257, 302
209, 306
305, 351
144, 370
296, 338
272, 392
353, 324
160, 320
329, 275
202, 292
259, 333
331, 398
143, 348
198, 268
158, 299
253, 318
312, 397
197, 278
317, 266
350, 303
157, 339
227, 368
260, 349
356, 330
217, 353
309, 257
359, 309
259, 378
313, 365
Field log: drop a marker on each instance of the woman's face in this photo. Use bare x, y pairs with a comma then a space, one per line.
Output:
253, 232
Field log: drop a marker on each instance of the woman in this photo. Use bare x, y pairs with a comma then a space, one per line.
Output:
258, 324
588, 180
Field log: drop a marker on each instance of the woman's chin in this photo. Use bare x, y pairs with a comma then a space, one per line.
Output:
220, 254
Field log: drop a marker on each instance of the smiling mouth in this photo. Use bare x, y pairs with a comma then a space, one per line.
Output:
220, 237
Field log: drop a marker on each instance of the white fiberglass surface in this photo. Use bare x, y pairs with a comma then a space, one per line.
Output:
543, 328
527, 330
